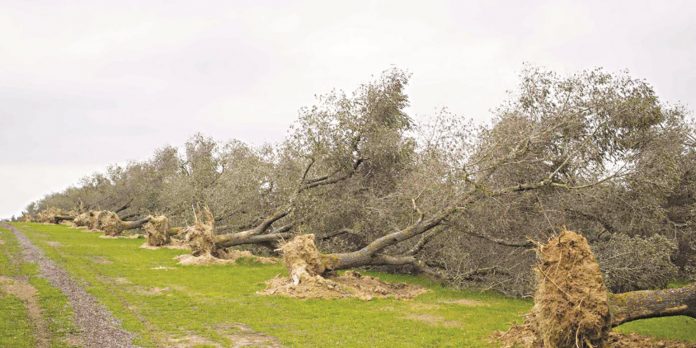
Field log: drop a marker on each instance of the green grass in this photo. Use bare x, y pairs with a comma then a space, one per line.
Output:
15, 328
208, 300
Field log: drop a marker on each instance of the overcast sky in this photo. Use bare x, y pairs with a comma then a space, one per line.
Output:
84, 84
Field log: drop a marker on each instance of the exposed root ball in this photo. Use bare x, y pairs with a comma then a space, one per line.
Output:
306, 266
94, 220
302, 258
570, 303
54, 215
201, 239
83, 219
350, 284
110, 223
157, 231
201, 236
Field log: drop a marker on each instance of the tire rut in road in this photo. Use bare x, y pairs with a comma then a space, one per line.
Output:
98, 327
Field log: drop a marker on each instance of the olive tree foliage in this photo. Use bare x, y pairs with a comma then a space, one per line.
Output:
559, 136
595, 152
635, 263
366, 134
584, 140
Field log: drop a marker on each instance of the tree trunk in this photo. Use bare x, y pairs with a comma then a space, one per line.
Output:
124, 207
203, 240
60, 218
371, 255
644, 304
114, 226
129, 225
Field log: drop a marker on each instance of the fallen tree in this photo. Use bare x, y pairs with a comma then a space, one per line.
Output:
572, 307
108, 222
54, 216
373, 254
205, 240
634, 305
306, 267
112, 225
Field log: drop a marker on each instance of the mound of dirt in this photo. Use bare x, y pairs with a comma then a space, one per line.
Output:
523, 336
174, 244
571, 302
157, 231
227, 257
617, 340
349, 284
129, 236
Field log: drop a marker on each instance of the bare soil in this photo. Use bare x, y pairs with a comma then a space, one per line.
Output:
349, 284
173, 245
228, 257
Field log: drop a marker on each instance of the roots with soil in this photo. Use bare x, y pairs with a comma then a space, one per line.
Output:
308, 267
573, 308
110, 223
157, 230
201, 236
571, 302
83, 219
54, 215
302, 259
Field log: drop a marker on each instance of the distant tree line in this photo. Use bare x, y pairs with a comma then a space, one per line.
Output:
594, 152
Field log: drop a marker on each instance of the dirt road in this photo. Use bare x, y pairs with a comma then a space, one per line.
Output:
98, 327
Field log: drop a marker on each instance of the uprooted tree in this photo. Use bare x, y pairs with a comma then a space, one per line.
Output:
107, 221
54, 215
204, 240
158, 231
341, 138
592, 151
572, 306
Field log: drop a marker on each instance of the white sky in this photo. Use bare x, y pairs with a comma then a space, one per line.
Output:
87, 83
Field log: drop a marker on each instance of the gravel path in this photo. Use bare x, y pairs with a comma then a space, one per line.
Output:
98, 327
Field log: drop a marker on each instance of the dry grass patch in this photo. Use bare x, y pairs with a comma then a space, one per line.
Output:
349, 284
174, 244
433, 320
29, 295
226, 257
463, 302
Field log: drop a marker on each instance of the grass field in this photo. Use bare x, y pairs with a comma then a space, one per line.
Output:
16, 329
164, 303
